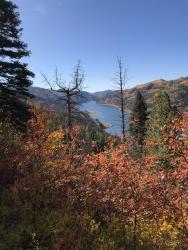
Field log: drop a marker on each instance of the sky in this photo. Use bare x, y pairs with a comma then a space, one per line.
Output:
151, 36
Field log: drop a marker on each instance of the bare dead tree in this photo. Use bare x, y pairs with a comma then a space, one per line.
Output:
69, 91
120, 81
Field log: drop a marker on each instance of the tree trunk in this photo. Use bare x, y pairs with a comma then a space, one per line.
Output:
122, 112
69, 115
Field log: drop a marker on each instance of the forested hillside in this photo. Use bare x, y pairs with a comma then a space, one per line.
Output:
177, 89
52, 99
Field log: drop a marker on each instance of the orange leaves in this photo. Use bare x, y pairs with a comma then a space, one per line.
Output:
111, 180
109, 184
40, 121
177, 140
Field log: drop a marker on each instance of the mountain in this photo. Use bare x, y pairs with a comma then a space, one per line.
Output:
177, 89
54, 100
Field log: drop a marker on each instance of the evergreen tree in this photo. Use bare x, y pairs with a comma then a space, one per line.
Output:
15, 78
162, 111
161, 115
138, 119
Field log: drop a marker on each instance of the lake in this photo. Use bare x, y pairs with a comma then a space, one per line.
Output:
106, 114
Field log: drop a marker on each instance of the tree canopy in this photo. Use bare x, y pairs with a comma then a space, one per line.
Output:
15, 78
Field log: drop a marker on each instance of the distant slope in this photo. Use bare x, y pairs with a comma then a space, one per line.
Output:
177, 89
54, 100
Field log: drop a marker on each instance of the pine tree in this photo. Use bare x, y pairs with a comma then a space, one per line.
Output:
15, 78
138, 119
160, 117
162, 110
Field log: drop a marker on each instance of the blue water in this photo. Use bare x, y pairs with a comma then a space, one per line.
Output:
106, 113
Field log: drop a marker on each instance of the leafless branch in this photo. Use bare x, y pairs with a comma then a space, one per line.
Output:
70, 91
120, 81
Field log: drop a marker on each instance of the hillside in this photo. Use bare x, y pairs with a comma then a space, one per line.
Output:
177, 89
53, 99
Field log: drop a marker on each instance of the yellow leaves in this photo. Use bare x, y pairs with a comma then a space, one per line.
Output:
169, 229
54, 143
162, 232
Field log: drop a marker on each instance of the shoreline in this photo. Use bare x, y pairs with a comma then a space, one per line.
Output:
106, 125
93, 113
114, 105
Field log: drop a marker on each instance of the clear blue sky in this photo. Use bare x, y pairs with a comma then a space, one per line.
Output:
150, 35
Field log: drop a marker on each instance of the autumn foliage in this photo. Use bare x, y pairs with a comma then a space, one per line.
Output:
58, 193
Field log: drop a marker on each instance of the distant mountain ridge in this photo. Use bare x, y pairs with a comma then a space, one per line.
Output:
53, 99
177, 89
